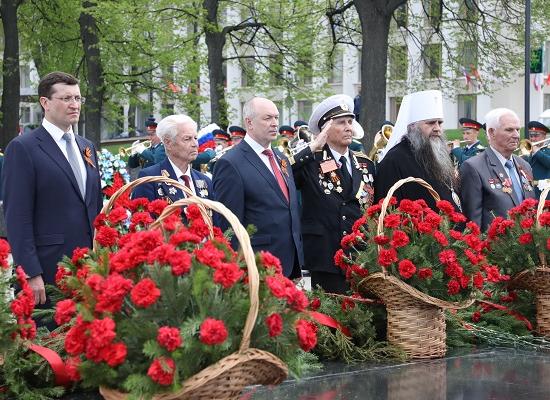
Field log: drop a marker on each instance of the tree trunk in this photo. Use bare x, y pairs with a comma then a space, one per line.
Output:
375, 17
89, 35
9, 110
215, 41
132, 109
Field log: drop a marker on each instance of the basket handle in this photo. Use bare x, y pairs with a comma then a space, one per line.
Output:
248, 253
396, 186
150, 179
540, 209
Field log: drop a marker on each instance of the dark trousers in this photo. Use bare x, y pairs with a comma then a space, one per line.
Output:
331, 283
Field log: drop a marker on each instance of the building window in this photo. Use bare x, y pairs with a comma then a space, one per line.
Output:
337, 67
469, 9
248, 72
467, 106
304, 109
401, 15
25, 76
433, 11
431, 57
395, 104
398, 63
468, 57
25, 115
546, 102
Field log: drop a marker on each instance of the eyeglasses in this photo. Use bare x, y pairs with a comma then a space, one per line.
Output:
70, 99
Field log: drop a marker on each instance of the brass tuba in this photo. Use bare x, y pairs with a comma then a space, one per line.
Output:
380, 140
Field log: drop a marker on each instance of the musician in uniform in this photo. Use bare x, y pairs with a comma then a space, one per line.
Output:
146, 157
472, 146
222, 139
237, 134
539, 159
335, 184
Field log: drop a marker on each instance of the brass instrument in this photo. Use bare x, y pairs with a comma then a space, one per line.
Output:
451, 143
127, 151
380, 140
284, 146
303, 132
526, 146
220, 153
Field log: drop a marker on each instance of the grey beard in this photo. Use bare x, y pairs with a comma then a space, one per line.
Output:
432, 154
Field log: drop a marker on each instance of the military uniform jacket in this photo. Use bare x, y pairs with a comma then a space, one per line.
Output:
461, 154
540, 164
328, 213
400, 163
485, 189
148, 157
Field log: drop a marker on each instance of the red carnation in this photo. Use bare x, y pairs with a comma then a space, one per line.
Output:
106, 236
441, 238
64, 311
476, 316
269, 261
359, 223
142, 219
183, 235
296, 299
180, 261
406, 268
447, 257
75, 340
307, 334
445, 206
373, 210
145, 293
275, 324
227, 274
544, 218
78, 254
71, 368
386, 257
456, 235
162, 370
425, 273
399, 239
213, 331
453, 287
117, 214
315, 304
525, 238
114, 354
392, 220
169, 338
548, 244
478, 280
381, 240
157, 206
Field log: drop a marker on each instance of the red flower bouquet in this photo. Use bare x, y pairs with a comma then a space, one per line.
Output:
418, 263
521, 246
154, 305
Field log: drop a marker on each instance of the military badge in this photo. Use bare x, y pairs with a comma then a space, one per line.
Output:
172, 190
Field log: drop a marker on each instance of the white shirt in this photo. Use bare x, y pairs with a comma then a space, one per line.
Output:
57, 135
337, 156
258, 149
187, 173
503, 160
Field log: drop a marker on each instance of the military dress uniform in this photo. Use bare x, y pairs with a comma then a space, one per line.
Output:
148, 157
461, 154
329, 206
540, 161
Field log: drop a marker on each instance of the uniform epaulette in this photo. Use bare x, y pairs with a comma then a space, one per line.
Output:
480, 147
360, 154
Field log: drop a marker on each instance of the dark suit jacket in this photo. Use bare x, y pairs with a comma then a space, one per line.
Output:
245, 185
46, 216
400, 163
161, 190
481, 183
327, 213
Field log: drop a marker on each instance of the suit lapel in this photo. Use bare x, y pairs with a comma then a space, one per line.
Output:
255, 160
498, 170
48, 145
172, 192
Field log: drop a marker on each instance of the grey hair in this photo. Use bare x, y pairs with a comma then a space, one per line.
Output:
168, 127
492, 119
248, 109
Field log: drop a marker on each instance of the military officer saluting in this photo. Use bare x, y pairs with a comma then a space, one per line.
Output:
472, 146
539, 159
336, 184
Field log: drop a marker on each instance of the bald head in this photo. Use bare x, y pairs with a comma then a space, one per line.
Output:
261, 119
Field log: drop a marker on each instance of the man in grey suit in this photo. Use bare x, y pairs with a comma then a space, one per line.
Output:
495, 181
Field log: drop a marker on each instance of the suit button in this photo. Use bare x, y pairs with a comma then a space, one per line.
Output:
301, 159
344, 203
343, 217
344, 233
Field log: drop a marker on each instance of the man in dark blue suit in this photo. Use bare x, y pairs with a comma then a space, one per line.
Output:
51, 186
178, 133
256, 183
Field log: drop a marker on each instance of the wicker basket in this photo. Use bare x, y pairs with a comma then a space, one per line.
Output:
416, 321
152, 179
538, 280
248, 366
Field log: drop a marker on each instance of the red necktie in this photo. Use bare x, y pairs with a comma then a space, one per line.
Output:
278, 175
186, 182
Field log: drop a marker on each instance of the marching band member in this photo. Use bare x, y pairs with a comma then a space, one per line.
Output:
472, 146
237, 134
539, 159
146, 157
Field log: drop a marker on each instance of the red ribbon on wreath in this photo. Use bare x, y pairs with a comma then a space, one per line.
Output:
513, 313
56, 363
327, 320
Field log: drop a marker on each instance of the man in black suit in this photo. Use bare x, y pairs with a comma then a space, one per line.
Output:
335, 184
418, 148
255, 181
51, 186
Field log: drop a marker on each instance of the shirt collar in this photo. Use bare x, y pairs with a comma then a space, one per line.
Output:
54, 130
178, 171
257, 147
337, 155
501, 158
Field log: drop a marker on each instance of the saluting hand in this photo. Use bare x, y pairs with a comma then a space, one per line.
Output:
320, 140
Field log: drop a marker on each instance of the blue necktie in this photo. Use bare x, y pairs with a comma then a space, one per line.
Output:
515, 183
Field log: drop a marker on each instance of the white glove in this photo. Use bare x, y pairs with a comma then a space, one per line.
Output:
137, 148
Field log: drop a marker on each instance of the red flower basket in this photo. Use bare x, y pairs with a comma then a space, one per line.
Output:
416, 321
248, 366
538, 280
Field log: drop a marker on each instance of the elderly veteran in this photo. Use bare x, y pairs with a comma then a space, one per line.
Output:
335, 184
418, 148
495, 181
